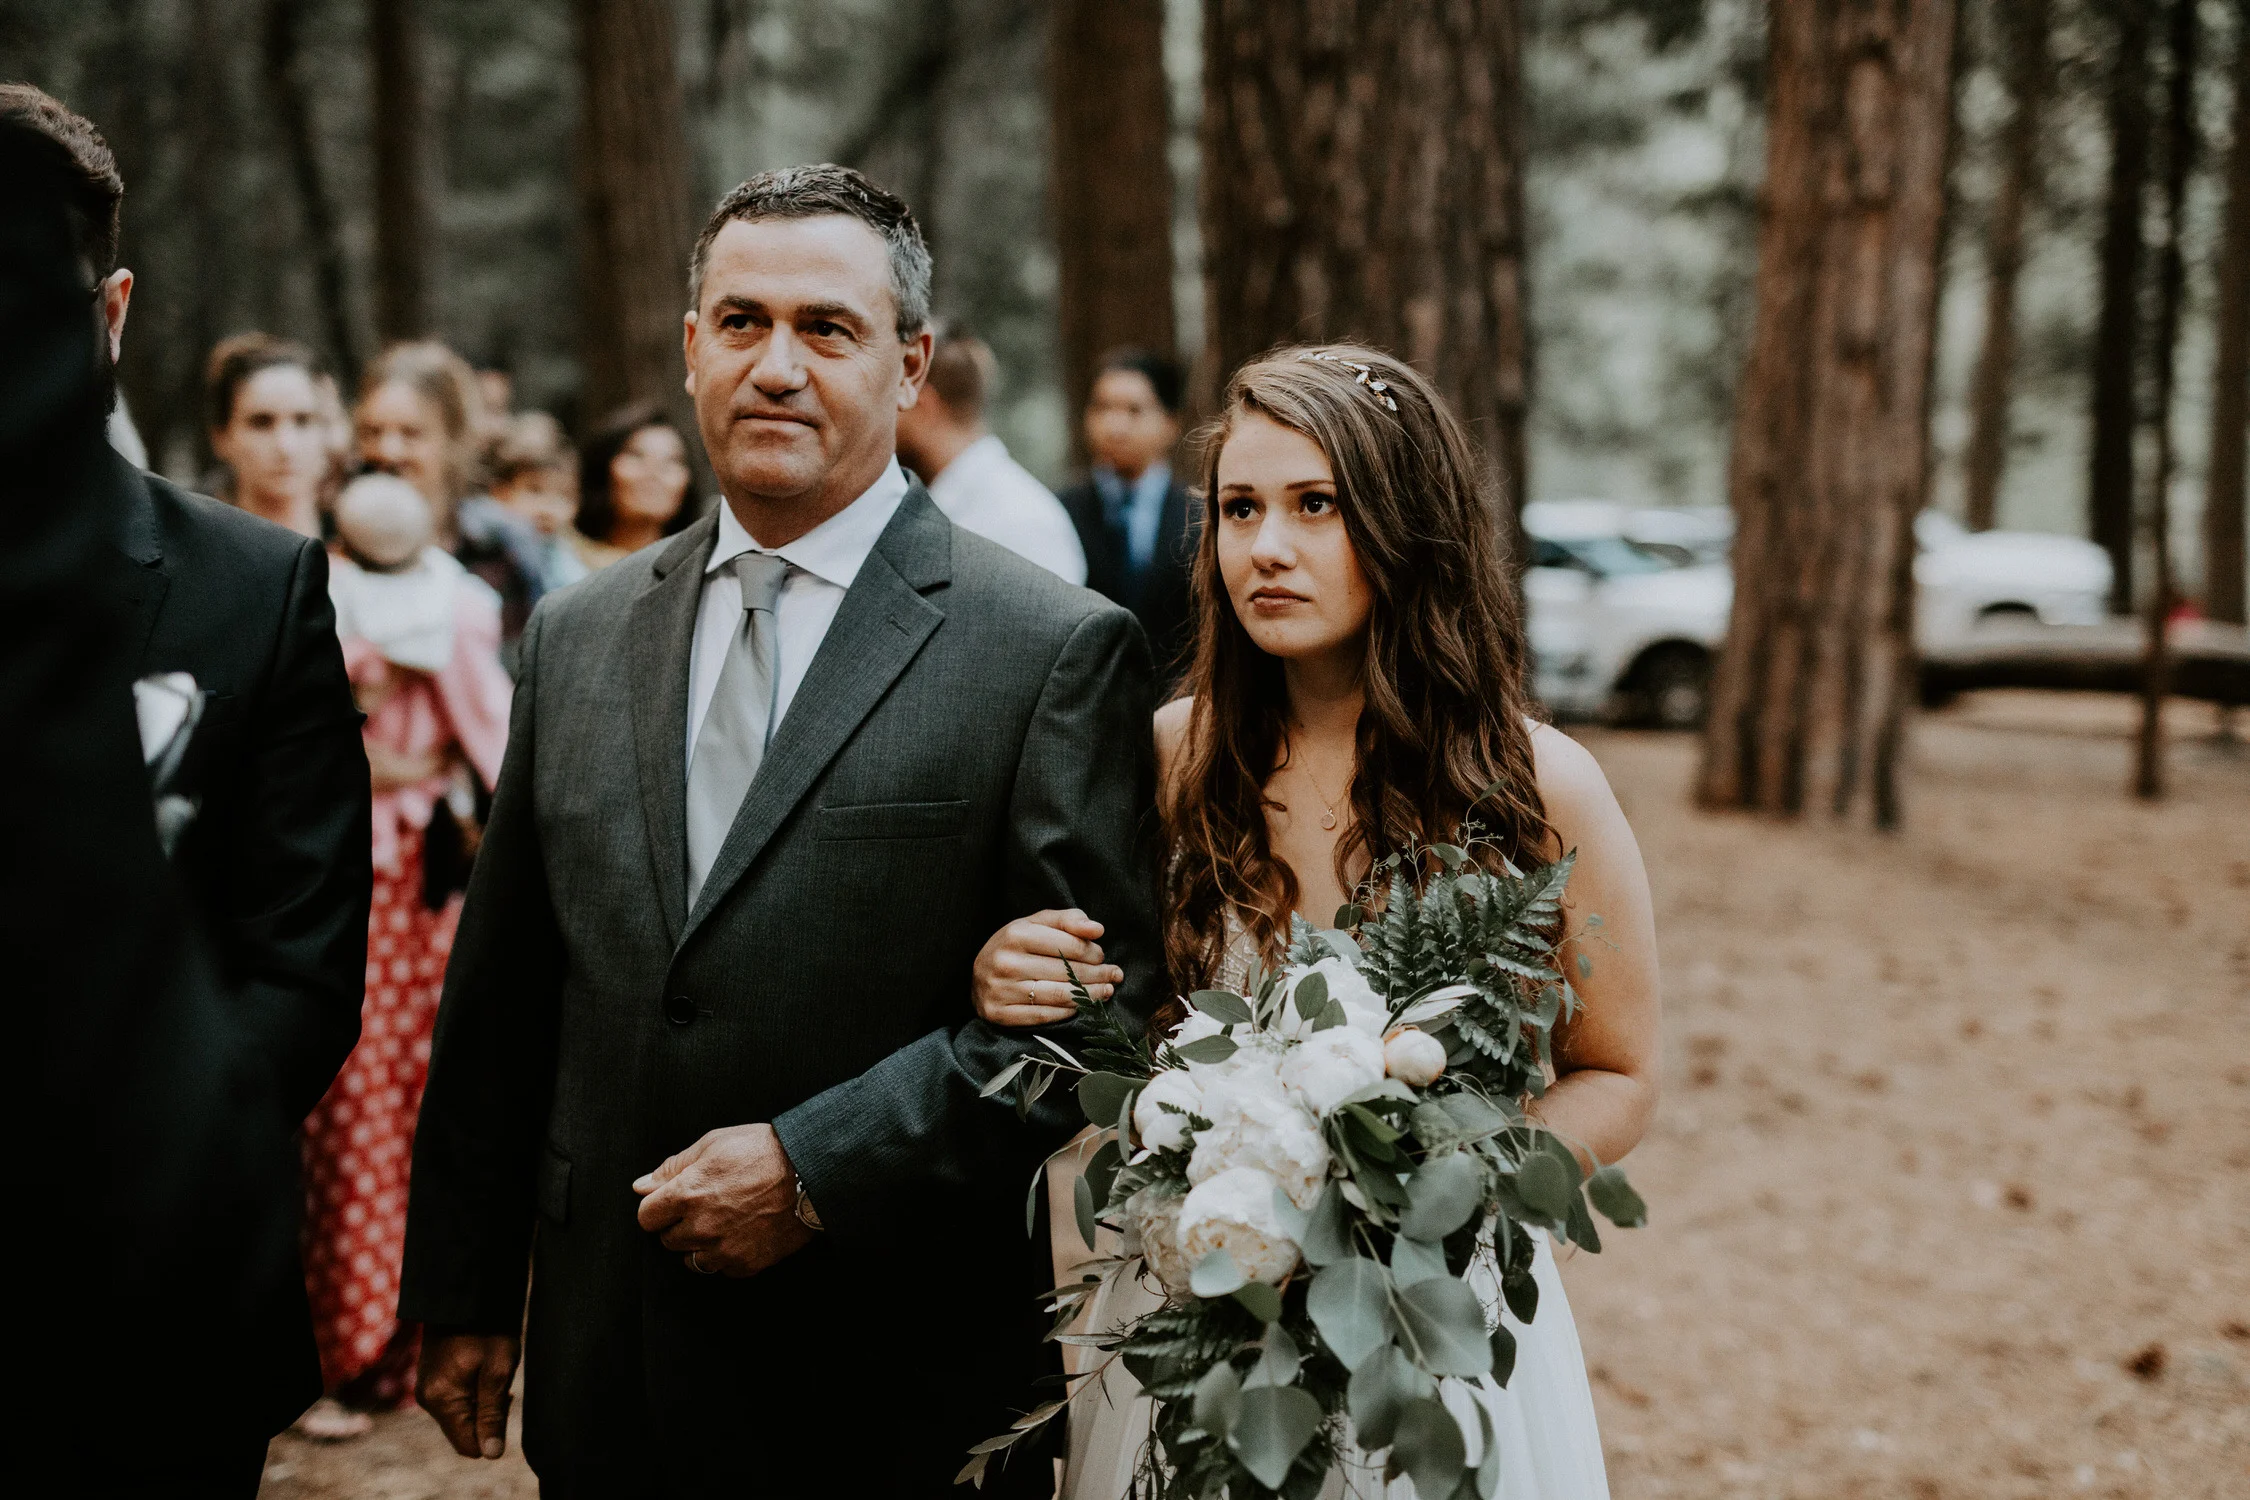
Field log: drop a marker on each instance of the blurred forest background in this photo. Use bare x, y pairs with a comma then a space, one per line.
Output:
256, 135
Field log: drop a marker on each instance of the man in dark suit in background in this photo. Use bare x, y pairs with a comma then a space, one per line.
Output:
1133, 515
273, 866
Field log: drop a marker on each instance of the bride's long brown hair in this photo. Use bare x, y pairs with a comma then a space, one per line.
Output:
1443, 728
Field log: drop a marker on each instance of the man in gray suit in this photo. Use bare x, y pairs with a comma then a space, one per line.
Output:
706, 1071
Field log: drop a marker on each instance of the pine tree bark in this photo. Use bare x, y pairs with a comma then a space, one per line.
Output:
403, 221
1109, 182
2181, 141
2225, 495
2117, 333
292, 109
1831, 428
2025, 24
1363, 179
633, 206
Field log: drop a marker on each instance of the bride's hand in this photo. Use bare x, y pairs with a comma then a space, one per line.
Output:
1020, 978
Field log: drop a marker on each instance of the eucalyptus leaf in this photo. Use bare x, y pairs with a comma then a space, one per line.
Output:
1442, 1327
1615, 1197
1273, 1427
1261, 1301
1216, 1275
1292, 1218
1310, 997
1349, 1303
1427, 1445
1082, 1203
1003, 1078
1474, 1115
1279, 1364
1222, 1005
1579, 1226
1442, 1195
1210, 1049
1522, 1296
1331, 1015
1380, 1387
1415, 1260
1101, 1095
1218, 1399
1326, 1238
1433, 1125
1101, 1171
1503, 1354
1544, 1185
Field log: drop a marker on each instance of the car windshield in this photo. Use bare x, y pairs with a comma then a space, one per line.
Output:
1602, 556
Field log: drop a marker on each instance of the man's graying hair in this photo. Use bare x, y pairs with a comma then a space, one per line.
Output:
810, 192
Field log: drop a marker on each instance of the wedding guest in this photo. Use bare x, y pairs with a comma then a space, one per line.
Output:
268, 868
633, 479
534, 476
970, 474
263, 410
1133, 514
420, 639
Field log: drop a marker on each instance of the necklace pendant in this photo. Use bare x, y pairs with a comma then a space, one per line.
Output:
1328, 821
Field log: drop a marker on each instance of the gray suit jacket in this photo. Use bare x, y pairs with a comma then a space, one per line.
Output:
971, 743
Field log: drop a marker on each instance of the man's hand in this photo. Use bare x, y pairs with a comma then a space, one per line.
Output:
729, 1200
464, 1384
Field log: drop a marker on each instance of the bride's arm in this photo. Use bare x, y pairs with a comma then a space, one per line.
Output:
1606, 1058
1019, 978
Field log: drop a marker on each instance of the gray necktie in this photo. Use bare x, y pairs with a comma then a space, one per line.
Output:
739, 721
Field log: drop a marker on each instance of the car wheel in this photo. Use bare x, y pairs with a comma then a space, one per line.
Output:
1673, 688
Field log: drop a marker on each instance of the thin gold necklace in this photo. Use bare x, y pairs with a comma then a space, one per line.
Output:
1328, 817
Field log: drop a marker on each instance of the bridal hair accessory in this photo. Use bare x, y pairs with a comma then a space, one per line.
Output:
1366, 376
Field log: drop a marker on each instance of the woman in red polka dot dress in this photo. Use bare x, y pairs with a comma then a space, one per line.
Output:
421, 641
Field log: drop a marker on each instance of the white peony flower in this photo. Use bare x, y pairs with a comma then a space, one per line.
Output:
1364, 1010
1255, 1123
1330, 1066
1155, 1218
1234, 1212
1195, 1028
1158, 1128
1413, 1057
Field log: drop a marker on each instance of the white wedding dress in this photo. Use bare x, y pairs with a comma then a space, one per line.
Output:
1550, 1446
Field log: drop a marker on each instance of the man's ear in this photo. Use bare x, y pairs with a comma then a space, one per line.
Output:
914, 367
687, 348
117, 295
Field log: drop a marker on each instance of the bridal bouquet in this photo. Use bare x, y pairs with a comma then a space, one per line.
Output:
1321, 1173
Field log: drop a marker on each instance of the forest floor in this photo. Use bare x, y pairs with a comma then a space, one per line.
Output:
1950, 1191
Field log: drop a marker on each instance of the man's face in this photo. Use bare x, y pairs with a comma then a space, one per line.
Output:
1127, 428
794, 358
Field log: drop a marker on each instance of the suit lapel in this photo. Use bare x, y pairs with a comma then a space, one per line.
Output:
880, 627
141, 583
661, 645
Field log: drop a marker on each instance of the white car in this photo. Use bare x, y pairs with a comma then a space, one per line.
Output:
1620, 627
1627, 606
1965, 580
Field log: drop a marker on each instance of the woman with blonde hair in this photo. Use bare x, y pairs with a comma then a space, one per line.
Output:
421, 417
1357, 688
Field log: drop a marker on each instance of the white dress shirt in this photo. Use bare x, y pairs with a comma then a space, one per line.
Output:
985, 491
822, 564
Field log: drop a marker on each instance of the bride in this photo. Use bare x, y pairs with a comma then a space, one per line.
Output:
1357, 685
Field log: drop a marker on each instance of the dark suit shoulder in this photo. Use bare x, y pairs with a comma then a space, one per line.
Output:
220, 538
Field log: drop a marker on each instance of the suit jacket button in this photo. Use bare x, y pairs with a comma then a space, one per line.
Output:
679, 1010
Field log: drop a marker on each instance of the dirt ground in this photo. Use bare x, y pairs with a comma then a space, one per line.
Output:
1951, 1186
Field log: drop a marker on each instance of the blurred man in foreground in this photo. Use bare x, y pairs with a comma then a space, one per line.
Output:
173, 1090
971, 477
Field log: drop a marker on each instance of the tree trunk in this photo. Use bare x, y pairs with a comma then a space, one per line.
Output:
2117, 334
292, 109
1831, 424
2025, 25
2225, 495
1109, 182
635, 233
2180, 141
1363, 179
403, 221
